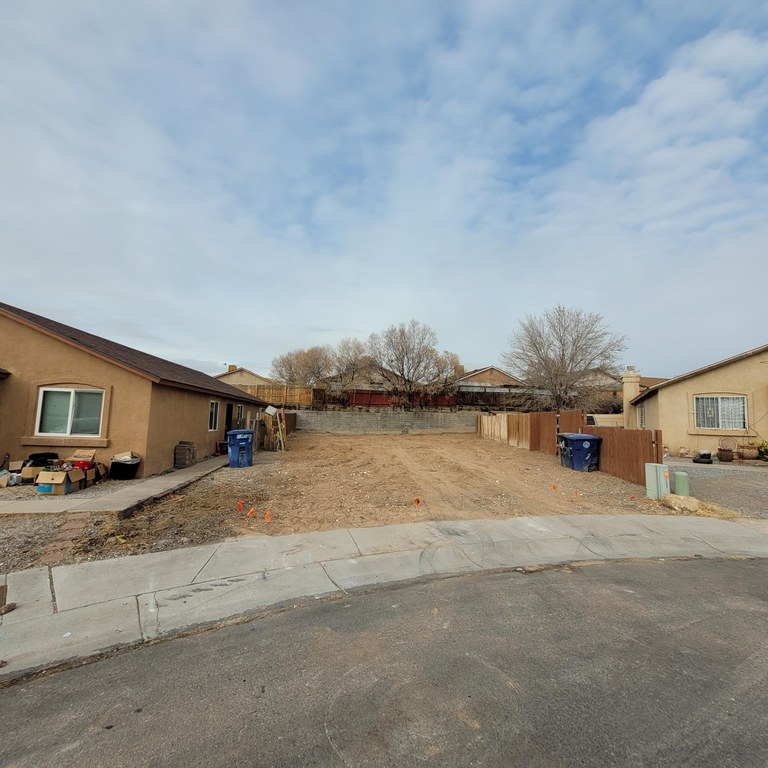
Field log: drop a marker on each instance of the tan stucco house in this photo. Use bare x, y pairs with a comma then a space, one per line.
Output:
65, 389
238, 377
695, 410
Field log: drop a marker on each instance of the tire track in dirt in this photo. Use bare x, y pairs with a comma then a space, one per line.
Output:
446, 487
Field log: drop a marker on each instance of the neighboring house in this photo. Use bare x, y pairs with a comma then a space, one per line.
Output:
486, 377
597, 380
267, 390
489, 388
237, 377
600, 390
695, 410
67, 389
366, 377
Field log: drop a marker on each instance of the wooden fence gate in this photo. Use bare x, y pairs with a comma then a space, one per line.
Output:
571, 421
625, 452
544, 432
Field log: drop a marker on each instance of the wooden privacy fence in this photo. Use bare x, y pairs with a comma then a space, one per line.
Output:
508, 428
623, 452
544, 432
544, 427
280, 394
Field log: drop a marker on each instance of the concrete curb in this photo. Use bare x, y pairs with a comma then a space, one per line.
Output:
74, 612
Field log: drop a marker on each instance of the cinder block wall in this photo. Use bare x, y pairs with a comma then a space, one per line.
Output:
396, 422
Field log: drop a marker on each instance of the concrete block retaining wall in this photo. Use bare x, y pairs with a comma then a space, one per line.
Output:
394, 422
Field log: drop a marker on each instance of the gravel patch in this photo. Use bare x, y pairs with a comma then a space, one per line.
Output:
103, 488
23, 537
741, 488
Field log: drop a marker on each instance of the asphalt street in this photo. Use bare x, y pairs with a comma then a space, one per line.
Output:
659, 663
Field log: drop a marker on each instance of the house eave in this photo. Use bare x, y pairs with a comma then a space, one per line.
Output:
706, 369
239, 395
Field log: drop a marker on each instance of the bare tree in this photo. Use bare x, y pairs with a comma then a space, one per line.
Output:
350, 360
407, 358
304, 367
285, 368
564, 356
316, 365
445, 369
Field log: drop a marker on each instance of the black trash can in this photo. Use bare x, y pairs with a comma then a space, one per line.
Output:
240, 447
124, 469
40, 459
579, 452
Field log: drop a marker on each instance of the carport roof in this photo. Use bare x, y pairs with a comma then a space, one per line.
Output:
150, 367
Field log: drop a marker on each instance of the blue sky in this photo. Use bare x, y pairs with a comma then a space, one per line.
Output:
223, 182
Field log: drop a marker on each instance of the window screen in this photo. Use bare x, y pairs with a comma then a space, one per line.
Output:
54, 412
70, 412
86, 414
721, 412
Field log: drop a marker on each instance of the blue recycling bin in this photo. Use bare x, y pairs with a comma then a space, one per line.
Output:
240, 447
579, 452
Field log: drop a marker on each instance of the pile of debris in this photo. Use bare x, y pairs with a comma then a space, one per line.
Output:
54, 476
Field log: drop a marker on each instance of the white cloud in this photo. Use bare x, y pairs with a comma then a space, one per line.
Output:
339, 167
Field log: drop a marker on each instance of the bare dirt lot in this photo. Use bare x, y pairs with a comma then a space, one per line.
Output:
329, 481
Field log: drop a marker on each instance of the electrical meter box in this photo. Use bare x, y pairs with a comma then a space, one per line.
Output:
656, 481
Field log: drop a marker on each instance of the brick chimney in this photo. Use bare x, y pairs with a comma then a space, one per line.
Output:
630, 390
231, 368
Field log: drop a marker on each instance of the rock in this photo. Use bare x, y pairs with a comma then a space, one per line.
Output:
681, 503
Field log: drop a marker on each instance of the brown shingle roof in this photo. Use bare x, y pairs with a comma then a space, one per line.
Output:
154, 368
475, 371
651, 381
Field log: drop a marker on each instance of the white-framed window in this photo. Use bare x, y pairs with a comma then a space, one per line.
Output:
641, 416
213, 416
720, 411
63, 411
239, 411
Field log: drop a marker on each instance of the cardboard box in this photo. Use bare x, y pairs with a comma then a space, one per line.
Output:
15, 466
91, 477
101, 470
29, 474
82, 454
127, 456
60, 483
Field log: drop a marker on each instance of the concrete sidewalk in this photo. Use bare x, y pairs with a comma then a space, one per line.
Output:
122, 501
75, 611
